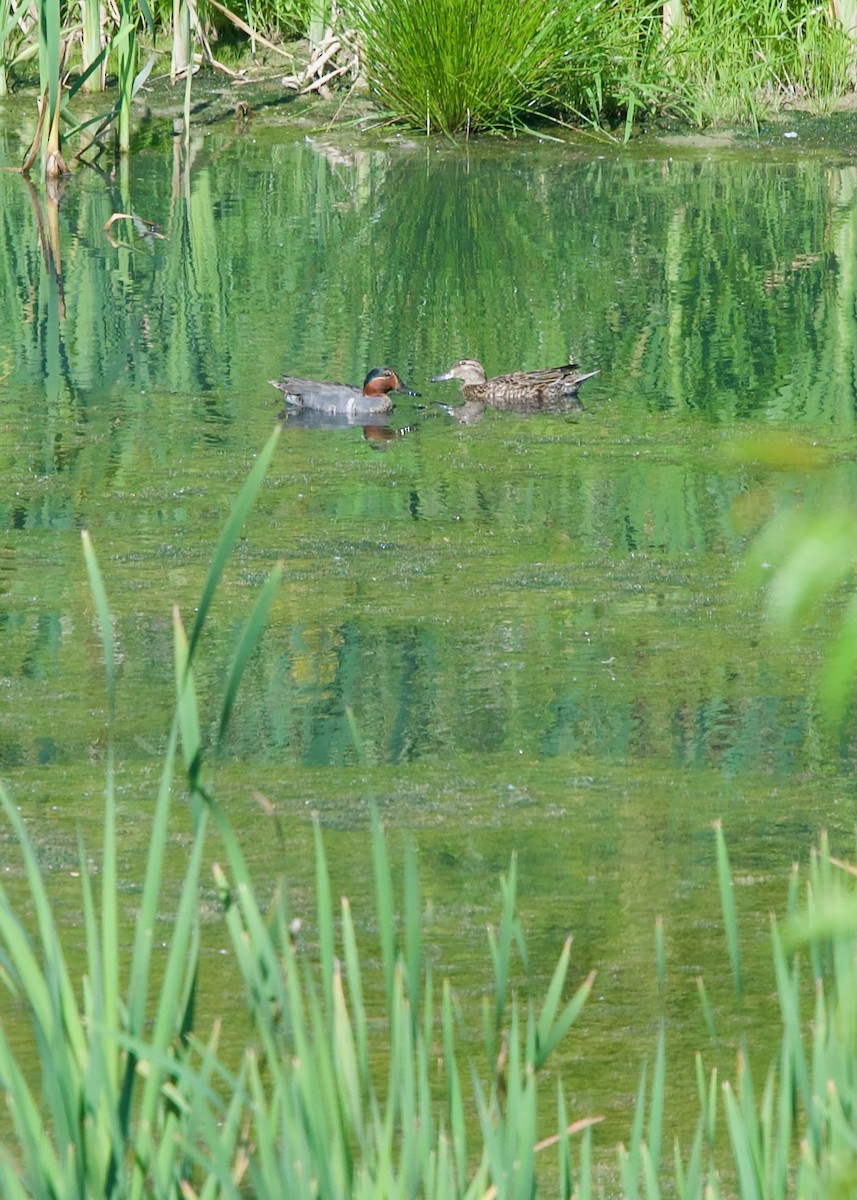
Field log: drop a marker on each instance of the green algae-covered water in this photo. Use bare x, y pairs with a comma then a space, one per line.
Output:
535, 620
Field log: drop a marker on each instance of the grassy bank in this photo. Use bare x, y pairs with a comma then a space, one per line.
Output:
118, 1092
453, 66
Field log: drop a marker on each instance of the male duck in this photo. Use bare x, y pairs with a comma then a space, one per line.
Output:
521, 391
341, 398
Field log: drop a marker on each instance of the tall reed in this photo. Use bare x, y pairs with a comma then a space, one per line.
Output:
92, 44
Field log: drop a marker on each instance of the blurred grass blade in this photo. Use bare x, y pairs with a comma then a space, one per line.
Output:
141, 955
455, 1107
551, 1030
707, 1010
186, 703
748, 1180
501, 948
179, 976
99, 595
657, 1101
355, 991
413, 920
660, 960
324, 916
837, 677
639, 1121
104, 969
727, 901
384, 904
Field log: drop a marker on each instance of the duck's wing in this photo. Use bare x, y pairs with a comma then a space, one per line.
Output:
323, 397
536, 380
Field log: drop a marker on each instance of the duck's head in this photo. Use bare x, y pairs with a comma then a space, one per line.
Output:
468, 370
381, 380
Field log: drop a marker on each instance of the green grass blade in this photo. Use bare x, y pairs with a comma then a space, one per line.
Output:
650, 1173
187, 710
727, 901
656, 1103
384, 904
550, 1033
12, 1187
660, 960
639, 1121
345, 1058
51, 26
47, 983
247, 644
169, 1016
707, 1010
788, 991
110, 950
108, 972
554, 994
355, 991
501, 949
99, 595
565, 1169
748, 1181
711, 1110
144, 932
584, 1188
324, 916
690, 1186
454, 1097
412, 933
229, 536
628, 1168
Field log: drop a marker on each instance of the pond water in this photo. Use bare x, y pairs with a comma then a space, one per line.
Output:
535, 620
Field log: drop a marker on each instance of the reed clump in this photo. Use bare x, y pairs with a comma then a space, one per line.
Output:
476, 64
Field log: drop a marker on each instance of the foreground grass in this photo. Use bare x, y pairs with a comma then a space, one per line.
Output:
122, 1095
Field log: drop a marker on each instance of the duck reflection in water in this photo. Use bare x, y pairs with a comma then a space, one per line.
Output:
380, 437
470, 412
378, 430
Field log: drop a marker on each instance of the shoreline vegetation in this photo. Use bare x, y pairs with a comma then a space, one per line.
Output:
452, 67
122, 1095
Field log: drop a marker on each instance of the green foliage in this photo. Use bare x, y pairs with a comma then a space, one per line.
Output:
731, 69
16, 42
471, 64
107, 1060
810, 565
714, 62
817, 1075
283, 18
